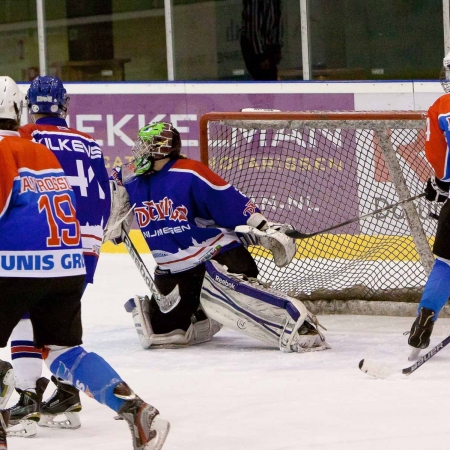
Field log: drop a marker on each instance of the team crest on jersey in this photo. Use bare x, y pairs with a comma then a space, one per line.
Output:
161, 210
250, 208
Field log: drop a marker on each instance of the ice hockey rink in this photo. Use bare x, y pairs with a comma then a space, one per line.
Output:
236, 393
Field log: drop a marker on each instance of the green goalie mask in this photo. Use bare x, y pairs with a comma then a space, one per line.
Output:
155, 141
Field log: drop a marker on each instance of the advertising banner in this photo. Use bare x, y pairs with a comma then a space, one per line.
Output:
114, 119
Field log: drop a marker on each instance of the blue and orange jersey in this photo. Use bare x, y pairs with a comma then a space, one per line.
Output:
187, 213
83, 163
438, 137
39, 232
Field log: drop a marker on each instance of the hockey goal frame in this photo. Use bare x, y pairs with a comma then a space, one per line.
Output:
381, 122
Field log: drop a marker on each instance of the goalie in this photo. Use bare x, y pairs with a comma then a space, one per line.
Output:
198, 227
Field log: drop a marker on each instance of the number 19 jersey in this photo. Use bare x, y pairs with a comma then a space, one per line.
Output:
39, 233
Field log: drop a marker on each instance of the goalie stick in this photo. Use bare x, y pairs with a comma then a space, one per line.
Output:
298, 235
165, 302
379, 371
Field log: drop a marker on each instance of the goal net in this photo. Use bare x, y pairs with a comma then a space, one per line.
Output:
316, 170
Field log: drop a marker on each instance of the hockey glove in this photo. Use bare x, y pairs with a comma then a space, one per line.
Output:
271, 237
121, 214
436, 190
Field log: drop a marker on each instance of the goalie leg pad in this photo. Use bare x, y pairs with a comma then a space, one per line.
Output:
260, 312
199, 331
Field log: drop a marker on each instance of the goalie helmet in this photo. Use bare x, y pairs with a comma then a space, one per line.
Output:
445, 74
10, 99
47, 95
155, 141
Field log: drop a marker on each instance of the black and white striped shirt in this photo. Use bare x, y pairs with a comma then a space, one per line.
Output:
261, 23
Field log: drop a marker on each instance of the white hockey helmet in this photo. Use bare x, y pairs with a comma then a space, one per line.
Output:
445, 74
11, 99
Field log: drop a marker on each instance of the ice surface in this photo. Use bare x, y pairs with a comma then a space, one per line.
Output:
235, 393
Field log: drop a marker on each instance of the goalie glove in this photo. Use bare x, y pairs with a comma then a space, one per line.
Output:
121, 214
436, 190
270, 236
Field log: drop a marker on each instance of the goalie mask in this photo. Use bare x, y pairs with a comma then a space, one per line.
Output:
47, 95
445, 74
155, 141
10, 99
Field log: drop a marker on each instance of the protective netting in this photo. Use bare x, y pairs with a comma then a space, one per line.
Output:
320, 172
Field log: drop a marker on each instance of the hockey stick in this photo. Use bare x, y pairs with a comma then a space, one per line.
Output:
378, 371
165, 302
298, 235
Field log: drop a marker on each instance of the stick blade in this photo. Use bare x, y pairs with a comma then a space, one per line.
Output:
375, 370
297, 235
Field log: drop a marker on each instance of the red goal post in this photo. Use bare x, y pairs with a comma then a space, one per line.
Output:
319, 169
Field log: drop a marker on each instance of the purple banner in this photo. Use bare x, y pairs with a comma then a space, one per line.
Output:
114, 119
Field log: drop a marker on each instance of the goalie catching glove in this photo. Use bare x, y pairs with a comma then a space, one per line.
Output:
271, 236
121, 214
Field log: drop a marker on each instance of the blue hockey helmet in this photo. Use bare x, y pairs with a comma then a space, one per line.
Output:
47, 95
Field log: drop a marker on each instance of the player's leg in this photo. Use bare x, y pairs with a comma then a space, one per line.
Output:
249, 307
62, 408
57, 322
26, 358
434, 297
18, 296
185, 325
437, 287
29, 383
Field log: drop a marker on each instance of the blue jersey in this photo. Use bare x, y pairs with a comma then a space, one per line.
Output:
82, 160
187, 213
39, 232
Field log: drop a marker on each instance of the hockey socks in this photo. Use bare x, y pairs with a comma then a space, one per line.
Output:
26, 358
437, 288
88, 372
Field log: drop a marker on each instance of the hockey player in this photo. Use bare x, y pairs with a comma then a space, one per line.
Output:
188, 215
437, 287
82, 160
42, 271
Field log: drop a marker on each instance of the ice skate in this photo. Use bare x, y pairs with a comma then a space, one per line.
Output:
25, 414
421, 329
148, 430
6, 383
310, 339
62, 409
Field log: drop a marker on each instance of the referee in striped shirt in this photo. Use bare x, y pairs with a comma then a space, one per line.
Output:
261, 38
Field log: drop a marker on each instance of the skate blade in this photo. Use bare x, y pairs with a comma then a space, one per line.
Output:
24, 429
162, 428
414, 354
67, 421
